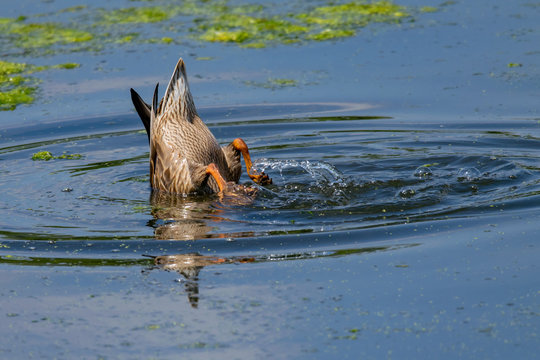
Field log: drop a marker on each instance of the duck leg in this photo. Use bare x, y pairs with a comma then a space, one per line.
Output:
238, 194
261, 178
212, 170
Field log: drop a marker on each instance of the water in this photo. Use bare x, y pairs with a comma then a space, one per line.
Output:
401, 223
349, 173
369, 221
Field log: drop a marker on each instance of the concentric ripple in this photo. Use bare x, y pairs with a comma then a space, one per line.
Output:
345, 173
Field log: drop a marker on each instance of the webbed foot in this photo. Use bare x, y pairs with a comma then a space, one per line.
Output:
261, 179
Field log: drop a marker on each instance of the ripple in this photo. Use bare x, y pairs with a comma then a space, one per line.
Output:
330, 174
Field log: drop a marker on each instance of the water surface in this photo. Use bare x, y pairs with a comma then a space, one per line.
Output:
401, 223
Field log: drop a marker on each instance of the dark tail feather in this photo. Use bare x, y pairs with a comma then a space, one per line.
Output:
143, 109
155, 101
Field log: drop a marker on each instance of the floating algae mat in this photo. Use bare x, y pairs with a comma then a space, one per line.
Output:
13, 86
256, 29
88, 29
16, 87
246, 25
255, 25
26, 35
47, 155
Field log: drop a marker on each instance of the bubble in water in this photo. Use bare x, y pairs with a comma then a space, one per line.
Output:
407, 193
468, 174
423, 171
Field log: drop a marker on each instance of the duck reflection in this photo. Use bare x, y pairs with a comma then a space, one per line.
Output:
195, 217
189, 265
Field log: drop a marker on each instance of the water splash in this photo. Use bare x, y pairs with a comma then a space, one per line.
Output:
321, 173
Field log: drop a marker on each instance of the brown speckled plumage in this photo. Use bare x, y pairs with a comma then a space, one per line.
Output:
182, 148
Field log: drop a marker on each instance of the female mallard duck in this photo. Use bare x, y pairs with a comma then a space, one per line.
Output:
184, 155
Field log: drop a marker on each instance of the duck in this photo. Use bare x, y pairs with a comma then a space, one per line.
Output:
185, 157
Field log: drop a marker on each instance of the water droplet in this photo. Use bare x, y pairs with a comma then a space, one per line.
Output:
68, 189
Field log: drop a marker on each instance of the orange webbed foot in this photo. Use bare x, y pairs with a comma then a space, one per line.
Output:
229, 191
236, 194
262, 178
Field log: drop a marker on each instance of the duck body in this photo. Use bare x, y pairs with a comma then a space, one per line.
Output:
185, 157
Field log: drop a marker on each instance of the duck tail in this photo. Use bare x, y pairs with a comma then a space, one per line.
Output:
143, 109
154, 109
178, 97
153, 143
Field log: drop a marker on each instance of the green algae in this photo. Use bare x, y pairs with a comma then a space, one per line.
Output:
13, 87
42, 156
328, 34
273, 83
40, 35
428, 9
355, 13
8, 68
238, 28
283, 82
33, 69
127, 38
9, 99
343, 20
514, 65
245, 25
46, 156
321, 23
16, 87
148, 14
66, 66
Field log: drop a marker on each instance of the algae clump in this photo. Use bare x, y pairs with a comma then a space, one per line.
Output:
13, 90
428, 9
37, 35
246, 25
247, 28
150, 14
251, 27
16, 87
9, 99
42, 156
273, 83
46, 156
338, 21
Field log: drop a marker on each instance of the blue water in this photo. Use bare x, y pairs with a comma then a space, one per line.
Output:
401, 223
